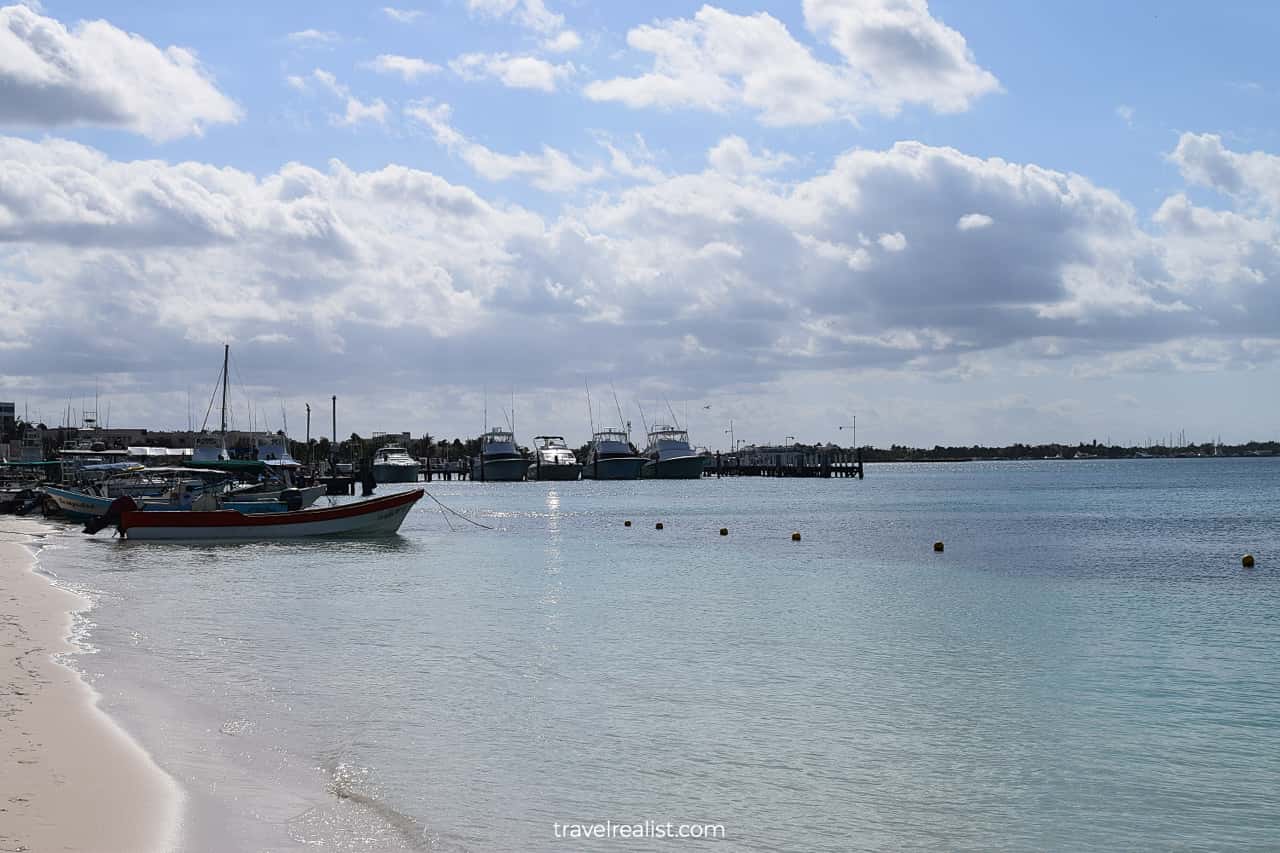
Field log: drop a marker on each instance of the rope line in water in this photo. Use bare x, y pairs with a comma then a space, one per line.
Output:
455, 512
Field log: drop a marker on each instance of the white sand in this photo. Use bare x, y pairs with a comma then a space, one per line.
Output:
72, 779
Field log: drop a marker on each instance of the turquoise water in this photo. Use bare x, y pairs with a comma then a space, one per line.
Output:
1086, 667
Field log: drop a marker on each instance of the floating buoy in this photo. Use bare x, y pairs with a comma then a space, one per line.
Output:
937, 546
724, 531
1247, 561
795, 537
658, 526
626, 524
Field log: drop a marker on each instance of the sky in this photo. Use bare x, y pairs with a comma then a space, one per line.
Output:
959, 222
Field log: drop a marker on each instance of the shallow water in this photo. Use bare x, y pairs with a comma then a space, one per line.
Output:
1085, 667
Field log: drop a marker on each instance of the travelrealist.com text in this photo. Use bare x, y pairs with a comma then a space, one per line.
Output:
639, 829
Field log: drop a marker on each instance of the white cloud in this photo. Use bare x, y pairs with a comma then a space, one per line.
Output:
732, 156
895, 242
402, 16
694, 279
408, 67
531, 14
1252, 177
551, 169
1125, 113
355, 112
314, 37
566, 41
96, 74
894, 53
516, 72
358, 111
974, 222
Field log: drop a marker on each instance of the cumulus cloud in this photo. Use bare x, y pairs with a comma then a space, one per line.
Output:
974, 221
96, 74
550, 169
410, 68
733, 156
516, 72
1253, 177
566, 41
893, 53
690, 277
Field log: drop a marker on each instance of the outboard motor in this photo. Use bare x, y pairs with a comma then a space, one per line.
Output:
118, 508
292, 499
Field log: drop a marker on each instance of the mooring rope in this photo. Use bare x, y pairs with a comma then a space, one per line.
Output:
455, 512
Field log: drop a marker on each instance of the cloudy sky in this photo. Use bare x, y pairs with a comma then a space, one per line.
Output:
964, 221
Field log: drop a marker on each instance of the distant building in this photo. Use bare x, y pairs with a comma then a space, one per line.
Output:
8, 419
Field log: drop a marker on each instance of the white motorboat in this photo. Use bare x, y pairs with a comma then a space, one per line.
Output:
393, 464
552, 459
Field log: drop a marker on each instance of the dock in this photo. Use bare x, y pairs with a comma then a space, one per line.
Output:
821, 465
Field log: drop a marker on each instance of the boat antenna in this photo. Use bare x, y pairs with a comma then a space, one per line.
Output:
671, 412
486, 408
622, 422
591, 416
226, 356
642, 418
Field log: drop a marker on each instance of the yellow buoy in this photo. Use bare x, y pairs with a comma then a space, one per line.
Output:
626, 524
724, 531
795, 537
658, 526
937, 546
1247, 561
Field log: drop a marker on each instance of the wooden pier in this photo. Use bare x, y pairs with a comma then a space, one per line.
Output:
821, 465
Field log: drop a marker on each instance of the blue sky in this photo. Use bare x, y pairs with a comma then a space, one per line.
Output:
967, 221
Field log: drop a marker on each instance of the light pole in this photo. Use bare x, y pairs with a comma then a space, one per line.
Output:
853, 426
729, 432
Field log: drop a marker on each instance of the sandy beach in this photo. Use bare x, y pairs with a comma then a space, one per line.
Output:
73, 779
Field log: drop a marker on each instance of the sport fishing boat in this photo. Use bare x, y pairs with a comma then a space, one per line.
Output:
669, 456
500, 460
374, 517
552, 459
393, 464
611, 457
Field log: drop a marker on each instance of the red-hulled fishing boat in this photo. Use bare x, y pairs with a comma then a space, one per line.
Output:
374, 517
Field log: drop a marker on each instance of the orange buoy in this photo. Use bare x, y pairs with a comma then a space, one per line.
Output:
626, 524
795, 537
658, 526
937, 546
724, 531
1247, 561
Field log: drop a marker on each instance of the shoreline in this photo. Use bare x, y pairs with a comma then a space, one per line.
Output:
74, 779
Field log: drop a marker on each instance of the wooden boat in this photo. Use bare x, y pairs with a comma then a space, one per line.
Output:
374, 517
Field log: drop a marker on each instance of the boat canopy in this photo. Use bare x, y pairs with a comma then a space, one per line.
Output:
115, 466
235, 466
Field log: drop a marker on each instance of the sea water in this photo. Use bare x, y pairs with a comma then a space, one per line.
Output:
1086, 665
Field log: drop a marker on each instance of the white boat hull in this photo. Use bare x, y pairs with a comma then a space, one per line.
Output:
379, 516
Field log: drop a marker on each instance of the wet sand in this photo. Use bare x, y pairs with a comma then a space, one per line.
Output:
73, 779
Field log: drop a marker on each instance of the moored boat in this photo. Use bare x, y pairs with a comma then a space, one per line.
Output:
374, 517
670, 457
552, 459
393, 464
611, 457
500, 460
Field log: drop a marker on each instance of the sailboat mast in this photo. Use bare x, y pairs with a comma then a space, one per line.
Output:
226, 354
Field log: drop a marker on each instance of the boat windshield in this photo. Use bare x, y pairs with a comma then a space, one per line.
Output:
612, 435
551, 441
498, 437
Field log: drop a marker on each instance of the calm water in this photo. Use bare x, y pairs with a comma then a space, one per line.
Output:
1086, 667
